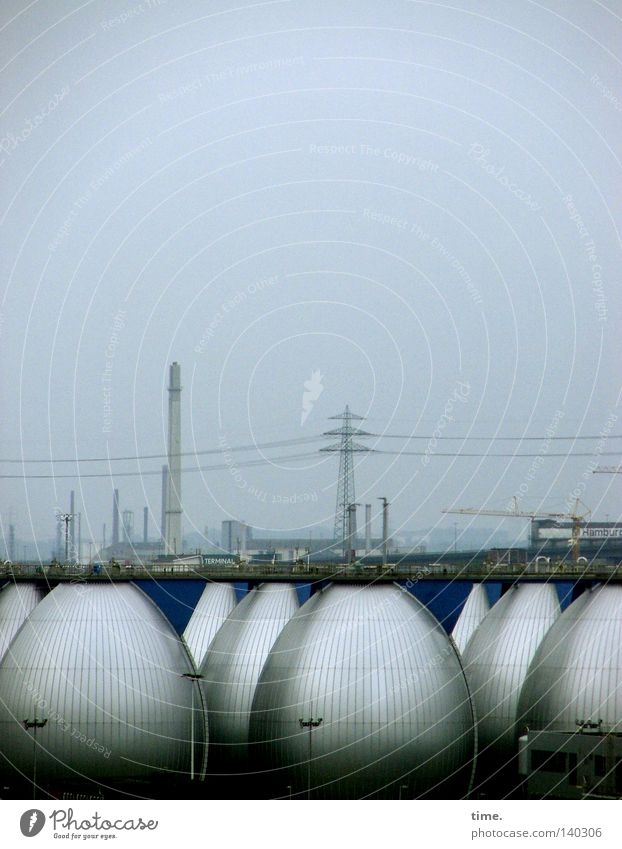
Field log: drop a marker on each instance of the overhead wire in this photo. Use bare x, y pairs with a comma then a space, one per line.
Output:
306, 456
281, 443
544, 438
488, 454
144, 472
305, 440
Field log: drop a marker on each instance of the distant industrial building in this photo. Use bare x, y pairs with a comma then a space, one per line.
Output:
595, 537
302, 548
131, 552
235, 535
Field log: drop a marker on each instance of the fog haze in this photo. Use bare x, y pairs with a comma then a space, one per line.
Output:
419, 201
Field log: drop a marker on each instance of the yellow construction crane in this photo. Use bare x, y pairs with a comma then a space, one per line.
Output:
577, 519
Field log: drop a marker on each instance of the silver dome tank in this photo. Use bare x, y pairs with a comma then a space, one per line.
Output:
363, 695
232, 667
215, 604
475, 608
497, 658
17, 601
576, 674
105, 671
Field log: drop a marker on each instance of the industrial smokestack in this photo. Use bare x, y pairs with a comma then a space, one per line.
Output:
173, 491
59, 540
115, 517
79, 545
145, 524
72, 526
242, 539
128, 526
163, 514
11, 546
352, 532
367, 528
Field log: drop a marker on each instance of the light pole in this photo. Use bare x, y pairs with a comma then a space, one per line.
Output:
310, 724
34, 724
385, 530
455, 537
192, 676
352, 532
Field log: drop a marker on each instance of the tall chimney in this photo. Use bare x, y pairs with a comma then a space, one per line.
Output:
115, 517
11, 547
72, 526
163, 514
145, 524
128, 526
352, 532
367, 528
59, 540
79, 543
173, 493
243, 538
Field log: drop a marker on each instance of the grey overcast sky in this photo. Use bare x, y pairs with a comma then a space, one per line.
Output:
412, 207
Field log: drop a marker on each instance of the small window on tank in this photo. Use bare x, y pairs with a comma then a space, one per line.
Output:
548, 761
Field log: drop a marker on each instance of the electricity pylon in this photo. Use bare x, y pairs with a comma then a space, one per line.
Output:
346, 447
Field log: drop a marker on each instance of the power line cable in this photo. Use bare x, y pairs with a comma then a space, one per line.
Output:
307, 456
143, 473
305, 440
282, 443
498, 438
484, 454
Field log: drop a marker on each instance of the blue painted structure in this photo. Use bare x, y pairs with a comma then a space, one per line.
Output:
445, 599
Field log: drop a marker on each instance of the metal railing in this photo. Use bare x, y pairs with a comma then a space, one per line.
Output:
313, 571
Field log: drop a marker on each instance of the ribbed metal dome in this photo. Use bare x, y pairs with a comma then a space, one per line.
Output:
576, 673
232, 667
17, 601
497, 658
475, 608
215, 604
380, 672
104, 667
